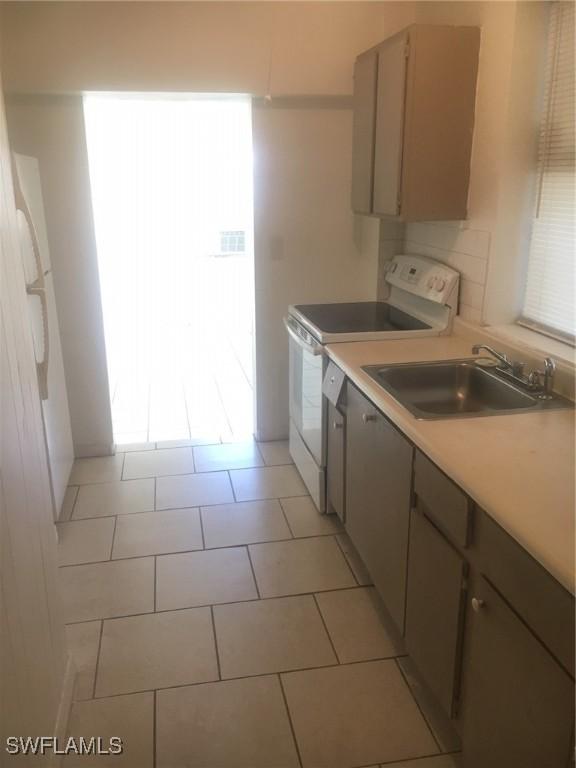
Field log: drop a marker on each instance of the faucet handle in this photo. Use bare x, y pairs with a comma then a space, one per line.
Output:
549, 366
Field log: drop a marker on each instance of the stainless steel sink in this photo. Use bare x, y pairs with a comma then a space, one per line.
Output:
457, 388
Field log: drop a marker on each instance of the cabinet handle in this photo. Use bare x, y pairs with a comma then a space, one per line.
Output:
366, 417
332, 379
337, 425
477, 604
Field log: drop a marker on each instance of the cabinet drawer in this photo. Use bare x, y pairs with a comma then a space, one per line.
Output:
333, 383
443, 501
535, 595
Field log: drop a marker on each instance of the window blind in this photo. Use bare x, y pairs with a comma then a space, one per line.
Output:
550, 286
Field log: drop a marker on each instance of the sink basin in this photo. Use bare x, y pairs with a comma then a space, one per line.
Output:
456, 388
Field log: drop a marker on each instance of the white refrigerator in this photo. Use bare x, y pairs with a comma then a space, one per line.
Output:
44, 323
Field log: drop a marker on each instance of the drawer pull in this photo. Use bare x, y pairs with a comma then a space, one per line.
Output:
477, 604
337, 425
366, 417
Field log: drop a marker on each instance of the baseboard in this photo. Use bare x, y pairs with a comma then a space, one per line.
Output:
94, 449
64, 707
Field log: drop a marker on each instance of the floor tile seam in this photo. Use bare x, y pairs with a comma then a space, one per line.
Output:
341, 551
184, 506
320, 614
253, 572
286, 516
290, 722
97, 665
113, 538
208, 605
215, 638
279, 673
420, 710
341, 548
204, 548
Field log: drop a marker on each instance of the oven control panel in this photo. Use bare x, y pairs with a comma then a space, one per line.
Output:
422, 277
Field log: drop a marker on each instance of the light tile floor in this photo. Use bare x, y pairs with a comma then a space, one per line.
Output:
218, 621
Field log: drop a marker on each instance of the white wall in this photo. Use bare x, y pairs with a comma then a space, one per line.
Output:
307, 246
490, 248
302, 154
32, 650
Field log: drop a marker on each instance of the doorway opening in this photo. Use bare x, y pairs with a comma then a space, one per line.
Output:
171, 183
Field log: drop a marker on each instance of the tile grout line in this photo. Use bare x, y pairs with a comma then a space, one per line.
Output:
96, 666
113, 537
155, 560
292, 729
74, 503
320, 536
348, 564
154, 725
316, 603
201, 530
228, 602
423, 716
232, 486
216, 643
335, 537
412, 759
197, 506
286, 518
250, 677
253, 571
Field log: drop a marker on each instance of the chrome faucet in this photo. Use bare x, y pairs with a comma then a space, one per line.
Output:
516, 368
540, 382
544, 378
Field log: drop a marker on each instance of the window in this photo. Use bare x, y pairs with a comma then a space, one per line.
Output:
232, 241
550, 286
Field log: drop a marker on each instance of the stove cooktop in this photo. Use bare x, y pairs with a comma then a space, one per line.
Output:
359, 317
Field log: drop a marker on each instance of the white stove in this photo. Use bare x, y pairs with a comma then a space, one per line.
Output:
422, 301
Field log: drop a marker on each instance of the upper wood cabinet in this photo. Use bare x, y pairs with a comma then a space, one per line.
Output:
414, 98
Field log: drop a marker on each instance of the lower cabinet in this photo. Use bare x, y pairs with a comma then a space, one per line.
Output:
488, 629
518, 703
435, 608
378, 479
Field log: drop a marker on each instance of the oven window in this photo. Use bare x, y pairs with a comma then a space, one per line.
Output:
306, 371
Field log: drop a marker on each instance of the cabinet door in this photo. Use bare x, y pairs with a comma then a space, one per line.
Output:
379, 468
365, 74
518, 702
434, 608
391, 90
335, 462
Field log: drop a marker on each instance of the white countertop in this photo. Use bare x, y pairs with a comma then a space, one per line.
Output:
519, 468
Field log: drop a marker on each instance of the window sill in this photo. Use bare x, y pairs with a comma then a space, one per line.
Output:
536, 342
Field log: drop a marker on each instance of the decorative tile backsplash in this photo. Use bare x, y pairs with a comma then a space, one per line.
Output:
467, 250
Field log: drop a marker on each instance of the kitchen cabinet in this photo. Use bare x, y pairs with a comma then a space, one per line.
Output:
335, 463
435, 608
488, 631
378, 478
414, 97
518, 709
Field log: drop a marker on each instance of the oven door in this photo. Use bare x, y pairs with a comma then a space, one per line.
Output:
306, 402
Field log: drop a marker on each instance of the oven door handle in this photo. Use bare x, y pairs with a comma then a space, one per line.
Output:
314, 348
